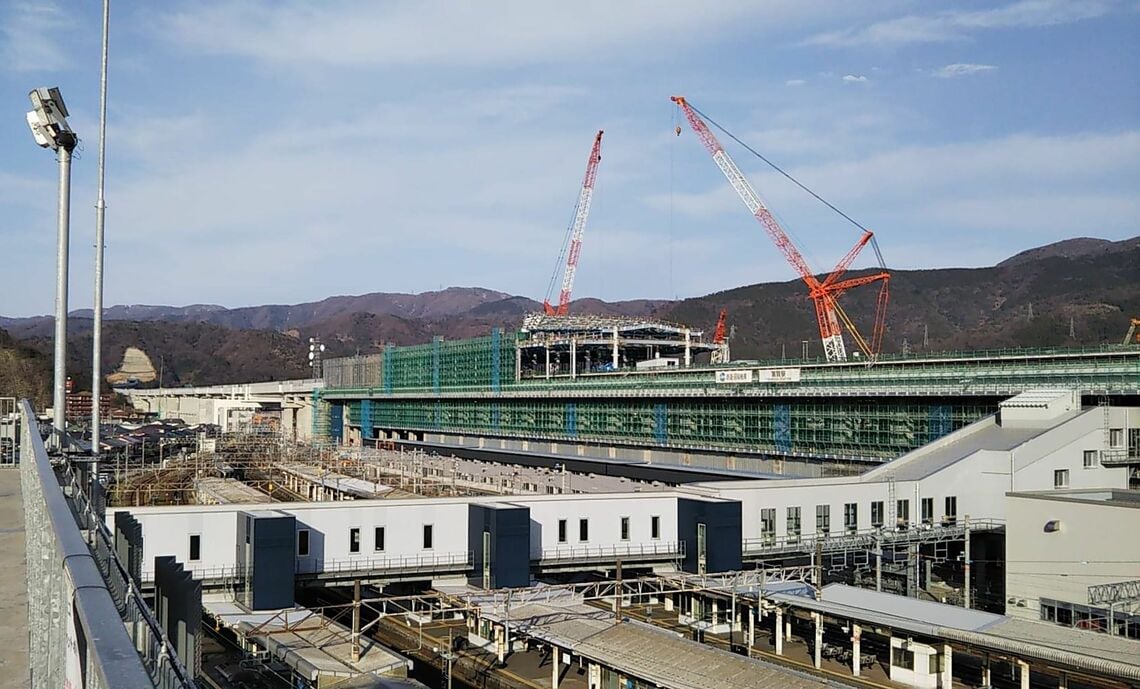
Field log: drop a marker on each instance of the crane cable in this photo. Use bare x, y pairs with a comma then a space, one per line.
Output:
777, 168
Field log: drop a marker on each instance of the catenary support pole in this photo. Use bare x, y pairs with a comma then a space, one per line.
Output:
100, 210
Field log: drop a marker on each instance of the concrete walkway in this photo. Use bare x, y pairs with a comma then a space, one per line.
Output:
13, 584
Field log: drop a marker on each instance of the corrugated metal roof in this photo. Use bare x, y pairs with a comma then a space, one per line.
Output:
1078, 641
645, 651
664, 658
929, 612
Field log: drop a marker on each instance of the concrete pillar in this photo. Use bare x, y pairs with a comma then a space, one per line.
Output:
688, 348
1063, 681
751, 628
573, 358
818, 619
947, 666
713, 619
1023, 673
555, 664
779, 631
856, 641
615, 348
669, 603
986, 678
594, 676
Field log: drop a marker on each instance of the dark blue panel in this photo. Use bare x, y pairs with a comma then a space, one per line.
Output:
722, 534
268, 543
336, 421
509, 530
571, 420
783, 422
366, 419
940, 422
660, 423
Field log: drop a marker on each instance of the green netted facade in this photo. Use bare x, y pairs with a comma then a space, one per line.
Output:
470, 387
481, 364
866, 428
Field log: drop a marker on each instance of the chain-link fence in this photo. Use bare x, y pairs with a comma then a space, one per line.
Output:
89, 626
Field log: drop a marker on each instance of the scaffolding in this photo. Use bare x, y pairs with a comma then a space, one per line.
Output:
842, 428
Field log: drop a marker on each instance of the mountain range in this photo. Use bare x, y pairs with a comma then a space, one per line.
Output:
1079, 291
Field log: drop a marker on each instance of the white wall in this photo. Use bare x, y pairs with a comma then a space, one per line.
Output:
166, 530
1096, 544
604, 514
1063, 448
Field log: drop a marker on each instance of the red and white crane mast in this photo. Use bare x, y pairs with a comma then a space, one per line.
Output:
581, 213
823, 294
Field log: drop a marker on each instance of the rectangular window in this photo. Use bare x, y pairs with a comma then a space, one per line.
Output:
1133, 443
625, 528
902, 658
1090, 459
427, 537
823, 519
354, 540
928, 510
1116, 437
951, 516
655, 527
303, 543
561, 530
1061, 478
583, 529
851, 517
378, 536
902, 511
768, 525
877, 514
794, 527
195, 547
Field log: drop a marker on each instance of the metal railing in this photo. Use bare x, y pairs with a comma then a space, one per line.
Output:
867, 538
612, 553
431, 562
89, 627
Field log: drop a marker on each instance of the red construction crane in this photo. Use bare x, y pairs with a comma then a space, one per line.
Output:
824, 294
721, 332
574, 236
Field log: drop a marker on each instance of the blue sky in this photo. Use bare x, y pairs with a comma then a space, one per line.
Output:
278, 152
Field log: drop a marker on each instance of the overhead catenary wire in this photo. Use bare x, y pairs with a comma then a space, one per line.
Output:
801, 185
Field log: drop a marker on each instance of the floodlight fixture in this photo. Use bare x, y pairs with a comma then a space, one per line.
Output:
48, 120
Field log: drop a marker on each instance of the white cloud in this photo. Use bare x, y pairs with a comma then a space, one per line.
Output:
958, 24
1012, 184
794, 82
438, 33
961, 70
854, 78
29, 37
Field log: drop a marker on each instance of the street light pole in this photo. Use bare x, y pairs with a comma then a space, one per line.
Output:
48, 122
100, 209
59, 398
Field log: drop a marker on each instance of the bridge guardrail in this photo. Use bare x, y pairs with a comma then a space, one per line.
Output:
79, 599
